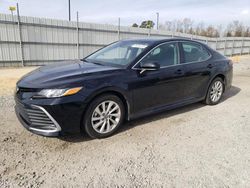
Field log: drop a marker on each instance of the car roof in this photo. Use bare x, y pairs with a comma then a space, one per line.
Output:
160, 40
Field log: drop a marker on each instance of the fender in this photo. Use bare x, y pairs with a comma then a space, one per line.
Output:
213, 77
122, 93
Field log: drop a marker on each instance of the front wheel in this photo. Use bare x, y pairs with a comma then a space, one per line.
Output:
103, 116
215, 92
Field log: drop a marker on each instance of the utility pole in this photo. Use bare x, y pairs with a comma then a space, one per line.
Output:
77, 30
157, 20
69, 12
119, 28
20, 34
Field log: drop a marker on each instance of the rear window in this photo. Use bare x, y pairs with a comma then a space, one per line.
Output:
194, 52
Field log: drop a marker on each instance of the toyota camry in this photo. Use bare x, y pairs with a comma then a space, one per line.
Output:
125, 80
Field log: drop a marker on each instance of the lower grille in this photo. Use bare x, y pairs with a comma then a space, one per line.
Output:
39, 119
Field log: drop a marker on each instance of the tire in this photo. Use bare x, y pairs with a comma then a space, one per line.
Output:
99, 123
216, 88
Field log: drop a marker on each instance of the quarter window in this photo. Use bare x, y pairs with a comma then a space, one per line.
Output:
165, 55
194, 52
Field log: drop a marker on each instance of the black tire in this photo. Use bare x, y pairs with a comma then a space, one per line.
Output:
87, 124
208, 99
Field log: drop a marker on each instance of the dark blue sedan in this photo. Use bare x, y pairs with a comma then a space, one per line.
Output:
122, 81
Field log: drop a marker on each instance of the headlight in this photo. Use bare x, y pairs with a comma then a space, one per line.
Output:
52, 93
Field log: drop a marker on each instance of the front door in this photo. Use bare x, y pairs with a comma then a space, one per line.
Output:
161, 87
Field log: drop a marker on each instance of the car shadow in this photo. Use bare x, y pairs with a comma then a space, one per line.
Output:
75, 138
230, 93
144, 120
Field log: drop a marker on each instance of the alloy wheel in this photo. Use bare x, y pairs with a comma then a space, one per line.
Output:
216, 91
106, 117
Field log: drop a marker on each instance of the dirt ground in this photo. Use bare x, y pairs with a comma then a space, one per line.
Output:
193, 146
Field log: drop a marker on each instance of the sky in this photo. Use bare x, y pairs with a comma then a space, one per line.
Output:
216, 12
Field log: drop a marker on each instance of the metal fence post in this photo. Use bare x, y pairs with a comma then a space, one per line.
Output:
216, 42
119, 28
149, 32
20, 35
242, 44
77, 33
225, 45
232, 50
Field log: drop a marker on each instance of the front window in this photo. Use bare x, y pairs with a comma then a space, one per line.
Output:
118, 54
165, 55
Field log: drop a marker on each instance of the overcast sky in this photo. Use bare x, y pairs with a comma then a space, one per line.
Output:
131, 11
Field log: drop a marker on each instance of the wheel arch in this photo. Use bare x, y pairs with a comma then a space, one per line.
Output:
111, 91
222, 76
219, 75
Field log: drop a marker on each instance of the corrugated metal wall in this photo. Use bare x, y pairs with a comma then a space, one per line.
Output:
42, 41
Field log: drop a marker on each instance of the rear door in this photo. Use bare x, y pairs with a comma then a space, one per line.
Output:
195, 57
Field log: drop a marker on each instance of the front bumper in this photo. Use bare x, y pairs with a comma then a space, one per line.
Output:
37, 120
50, 117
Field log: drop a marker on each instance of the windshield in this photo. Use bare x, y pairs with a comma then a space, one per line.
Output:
121, 53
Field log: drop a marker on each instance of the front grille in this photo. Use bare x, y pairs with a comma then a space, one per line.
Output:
24, 93
24, 89
39, 119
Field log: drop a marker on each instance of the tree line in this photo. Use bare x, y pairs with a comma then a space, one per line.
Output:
186, 25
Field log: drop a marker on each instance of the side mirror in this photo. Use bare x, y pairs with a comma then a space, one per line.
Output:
149, 66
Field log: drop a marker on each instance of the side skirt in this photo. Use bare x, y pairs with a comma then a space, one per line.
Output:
160, 109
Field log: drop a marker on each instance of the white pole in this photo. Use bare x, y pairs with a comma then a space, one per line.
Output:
77, 30
69, 12
242, 46
20, 34
157, 20
225, 46
119, 27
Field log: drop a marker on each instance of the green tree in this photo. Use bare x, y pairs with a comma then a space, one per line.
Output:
135, 25
147, 24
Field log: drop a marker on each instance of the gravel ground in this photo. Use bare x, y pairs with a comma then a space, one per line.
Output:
193, 146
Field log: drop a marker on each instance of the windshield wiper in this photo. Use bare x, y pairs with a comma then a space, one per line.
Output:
84, 60
97, 63
91, 62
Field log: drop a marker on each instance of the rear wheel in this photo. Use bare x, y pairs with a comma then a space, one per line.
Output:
215, 92
104, 116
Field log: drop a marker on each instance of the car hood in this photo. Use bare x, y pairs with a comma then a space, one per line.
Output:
62, 73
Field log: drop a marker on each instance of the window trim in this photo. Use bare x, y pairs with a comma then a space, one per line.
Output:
179, 58
196, 43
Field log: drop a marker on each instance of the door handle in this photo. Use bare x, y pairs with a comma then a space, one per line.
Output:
210, 66
179, 71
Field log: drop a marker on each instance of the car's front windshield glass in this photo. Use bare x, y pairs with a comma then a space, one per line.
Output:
121, 53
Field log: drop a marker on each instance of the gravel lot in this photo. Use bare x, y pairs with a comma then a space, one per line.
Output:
193, 146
